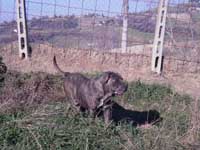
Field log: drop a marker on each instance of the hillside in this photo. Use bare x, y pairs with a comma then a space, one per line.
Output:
96, 31
102, 33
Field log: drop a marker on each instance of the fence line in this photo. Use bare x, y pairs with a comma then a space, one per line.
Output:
97, 25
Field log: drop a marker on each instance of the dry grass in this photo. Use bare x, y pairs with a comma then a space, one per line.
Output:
36, 117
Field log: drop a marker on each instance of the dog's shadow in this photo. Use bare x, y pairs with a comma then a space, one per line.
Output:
120, 114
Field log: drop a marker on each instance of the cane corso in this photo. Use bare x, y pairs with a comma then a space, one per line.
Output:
92, 94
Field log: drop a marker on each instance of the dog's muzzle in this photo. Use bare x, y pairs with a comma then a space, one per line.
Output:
121, 90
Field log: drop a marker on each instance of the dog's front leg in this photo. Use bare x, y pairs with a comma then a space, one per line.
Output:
107, 113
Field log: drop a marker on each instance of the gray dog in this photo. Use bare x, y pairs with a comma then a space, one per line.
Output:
92, 94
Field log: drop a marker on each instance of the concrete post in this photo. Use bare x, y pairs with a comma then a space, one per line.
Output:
125, 25
157, 52
22, 29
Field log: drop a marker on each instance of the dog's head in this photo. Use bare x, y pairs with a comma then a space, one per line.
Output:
113, 83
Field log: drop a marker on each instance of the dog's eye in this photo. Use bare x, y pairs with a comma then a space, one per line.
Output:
113, 80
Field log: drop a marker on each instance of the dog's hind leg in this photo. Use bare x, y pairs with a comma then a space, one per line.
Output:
75, 105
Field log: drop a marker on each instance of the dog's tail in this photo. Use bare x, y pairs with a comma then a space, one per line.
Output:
56, 66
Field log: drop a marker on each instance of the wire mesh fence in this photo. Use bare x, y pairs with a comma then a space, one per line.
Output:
183, 34
97, 25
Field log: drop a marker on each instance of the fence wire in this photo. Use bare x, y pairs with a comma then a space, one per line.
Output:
97, 25
183, 34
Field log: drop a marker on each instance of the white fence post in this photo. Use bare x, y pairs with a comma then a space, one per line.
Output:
22, 29
157, 52
125, 25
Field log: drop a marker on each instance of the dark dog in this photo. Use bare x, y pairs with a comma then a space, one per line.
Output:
92, 93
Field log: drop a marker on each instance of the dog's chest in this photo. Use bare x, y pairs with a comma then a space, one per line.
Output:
89, 95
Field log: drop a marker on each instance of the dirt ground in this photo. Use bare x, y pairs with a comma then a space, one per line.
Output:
79, 61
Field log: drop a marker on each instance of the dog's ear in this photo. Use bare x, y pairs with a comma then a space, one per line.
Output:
103, 79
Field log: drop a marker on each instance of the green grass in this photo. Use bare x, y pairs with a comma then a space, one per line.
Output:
52, 126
